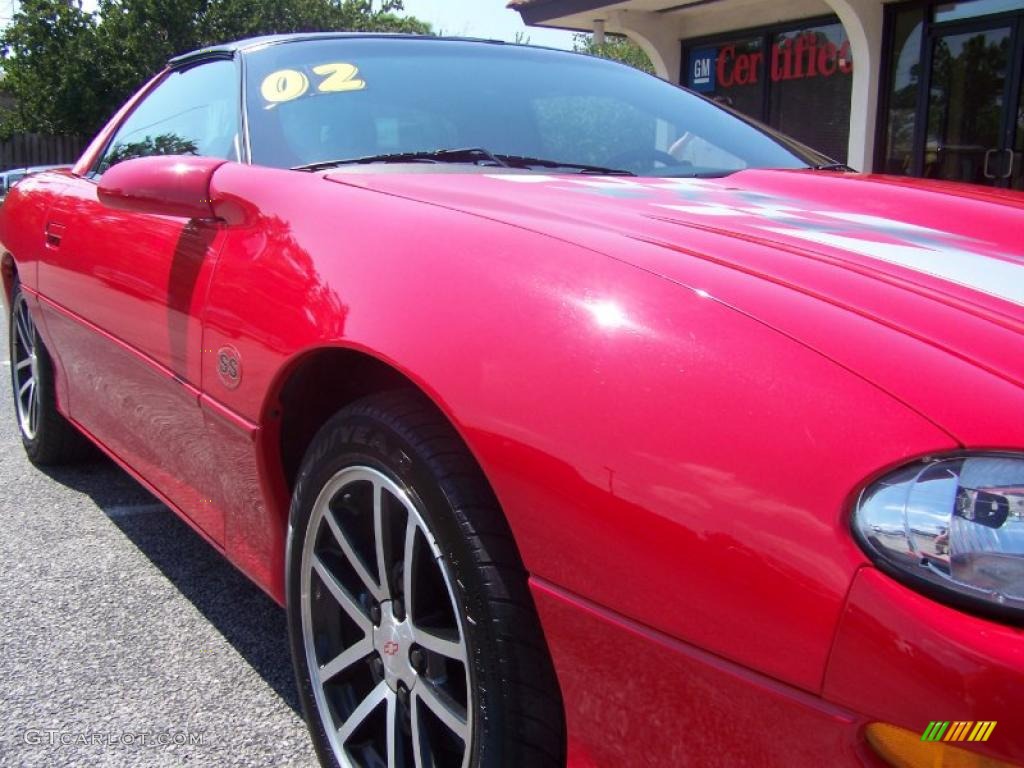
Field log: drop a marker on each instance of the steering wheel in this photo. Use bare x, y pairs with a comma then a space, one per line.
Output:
645, 159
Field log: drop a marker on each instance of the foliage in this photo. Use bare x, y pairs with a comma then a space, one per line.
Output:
593, 129
69, 69
164, 144
614, 47
49, 60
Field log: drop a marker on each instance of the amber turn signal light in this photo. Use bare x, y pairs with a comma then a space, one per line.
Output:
901, 748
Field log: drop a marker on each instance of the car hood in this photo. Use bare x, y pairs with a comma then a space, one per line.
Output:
940, 263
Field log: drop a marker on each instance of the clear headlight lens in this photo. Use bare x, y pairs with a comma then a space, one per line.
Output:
955, 524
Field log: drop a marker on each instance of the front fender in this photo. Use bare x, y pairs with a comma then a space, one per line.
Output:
656, 451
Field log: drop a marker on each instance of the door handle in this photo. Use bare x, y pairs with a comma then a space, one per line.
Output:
54, 233
988, 158
1011, 164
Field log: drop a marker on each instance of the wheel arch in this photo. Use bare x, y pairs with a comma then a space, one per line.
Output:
316, 384
311, 388
8, 272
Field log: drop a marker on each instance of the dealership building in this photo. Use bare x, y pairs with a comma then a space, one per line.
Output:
926, 88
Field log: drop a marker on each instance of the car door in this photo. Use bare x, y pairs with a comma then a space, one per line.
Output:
124, 291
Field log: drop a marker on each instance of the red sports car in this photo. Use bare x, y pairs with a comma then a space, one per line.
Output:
572, 416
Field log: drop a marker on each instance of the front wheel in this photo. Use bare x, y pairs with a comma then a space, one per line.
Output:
413, 632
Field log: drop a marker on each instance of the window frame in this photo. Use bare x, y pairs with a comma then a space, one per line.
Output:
93, 174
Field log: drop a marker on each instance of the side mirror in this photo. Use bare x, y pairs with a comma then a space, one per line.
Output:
166, 185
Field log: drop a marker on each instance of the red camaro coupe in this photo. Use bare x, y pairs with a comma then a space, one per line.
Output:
573, 417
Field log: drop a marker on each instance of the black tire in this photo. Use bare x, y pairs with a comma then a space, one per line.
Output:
517, 712
54, 440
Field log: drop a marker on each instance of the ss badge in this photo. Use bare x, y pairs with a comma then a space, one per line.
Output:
229, 366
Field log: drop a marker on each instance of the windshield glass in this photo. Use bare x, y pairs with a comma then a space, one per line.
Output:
338, 99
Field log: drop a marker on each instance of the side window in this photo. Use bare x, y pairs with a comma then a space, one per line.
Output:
191, 112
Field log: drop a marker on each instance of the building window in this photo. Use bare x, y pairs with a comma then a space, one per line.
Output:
973, 8
731, 73
901, 91
809, 97
796, 78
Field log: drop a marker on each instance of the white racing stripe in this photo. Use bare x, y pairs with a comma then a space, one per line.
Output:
928, 251
704, 209
522, 178
877, 222
1003, 279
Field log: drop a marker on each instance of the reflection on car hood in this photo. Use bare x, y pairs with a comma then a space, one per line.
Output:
964, 241
942, 262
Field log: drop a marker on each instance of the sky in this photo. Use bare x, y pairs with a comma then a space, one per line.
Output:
483, 18
7, 9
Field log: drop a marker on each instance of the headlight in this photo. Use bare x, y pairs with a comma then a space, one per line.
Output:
954, 526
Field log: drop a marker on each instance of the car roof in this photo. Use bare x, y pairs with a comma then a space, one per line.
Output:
228, 50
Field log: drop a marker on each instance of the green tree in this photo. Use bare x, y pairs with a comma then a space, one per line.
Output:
51, 70
164, 144
69, 70
614, 47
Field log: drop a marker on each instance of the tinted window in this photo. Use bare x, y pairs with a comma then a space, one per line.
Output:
966, 104
192, 112
338, 99
798, 80
812, 79
1017, 169
972, 8
905, 73
731, 73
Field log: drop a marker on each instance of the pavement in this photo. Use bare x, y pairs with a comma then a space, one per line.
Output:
125, 639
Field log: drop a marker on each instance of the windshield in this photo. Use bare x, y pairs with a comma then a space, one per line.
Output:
339, 99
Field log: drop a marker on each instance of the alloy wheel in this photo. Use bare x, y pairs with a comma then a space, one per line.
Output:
382, 631
25, 367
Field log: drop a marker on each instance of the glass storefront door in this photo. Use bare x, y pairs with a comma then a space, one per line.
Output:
954, 92
967, 106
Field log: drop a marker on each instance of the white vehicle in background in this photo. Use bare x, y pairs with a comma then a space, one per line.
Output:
9, 178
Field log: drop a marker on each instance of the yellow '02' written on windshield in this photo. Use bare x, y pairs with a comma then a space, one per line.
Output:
288, 84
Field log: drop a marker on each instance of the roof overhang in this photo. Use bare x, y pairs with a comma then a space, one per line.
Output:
683, 18
538, 12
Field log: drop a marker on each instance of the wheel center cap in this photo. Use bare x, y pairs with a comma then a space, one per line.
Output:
393, 640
